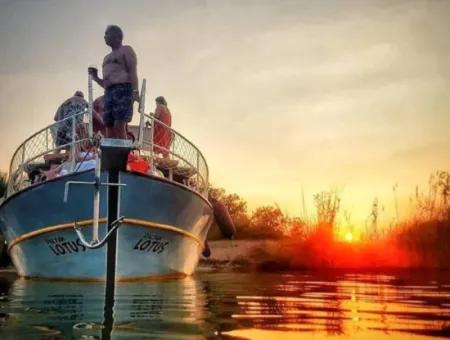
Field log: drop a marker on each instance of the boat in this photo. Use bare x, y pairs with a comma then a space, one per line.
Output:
100, 219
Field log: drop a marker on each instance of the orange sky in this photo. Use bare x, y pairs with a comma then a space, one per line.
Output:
281, 96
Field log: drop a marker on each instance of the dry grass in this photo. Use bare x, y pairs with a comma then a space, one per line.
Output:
420, 245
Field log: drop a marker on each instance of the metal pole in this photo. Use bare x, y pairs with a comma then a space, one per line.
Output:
90, 105
152, 131
46, 139
22, 167
23, 155
142, 111
111, 253
72, 149
198, 171
96, 199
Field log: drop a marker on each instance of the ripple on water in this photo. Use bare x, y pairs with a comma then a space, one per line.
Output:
246, 305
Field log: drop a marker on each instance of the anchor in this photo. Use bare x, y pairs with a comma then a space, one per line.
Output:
94, 244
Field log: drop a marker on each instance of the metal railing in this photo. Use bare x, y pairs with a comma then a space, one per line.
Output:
179, 159
66, 137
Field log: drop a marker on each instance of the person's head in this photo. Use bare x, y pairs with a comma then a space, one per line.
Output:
79, 94
113, 36
161, 100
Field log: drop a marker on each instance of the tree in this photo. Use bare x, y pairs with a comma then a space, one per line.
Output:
268, 222
296, 228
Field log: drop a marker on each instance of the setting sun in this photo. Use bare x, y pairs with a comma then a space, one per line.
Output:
349, 236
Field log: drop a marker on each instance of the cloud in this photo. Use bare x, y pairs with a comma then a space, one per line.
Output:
273, 93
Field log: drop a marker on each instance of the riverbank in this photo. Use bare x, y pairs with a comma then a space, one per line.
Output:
313, 253
233, 254
318, 252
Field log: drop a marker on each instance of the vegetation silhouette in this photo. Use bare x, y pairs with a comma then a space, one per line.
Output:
4, 257
420, 241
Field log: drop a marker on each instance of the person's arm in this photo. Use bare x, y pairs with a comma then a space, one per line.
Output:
95, 77
58, 112
131, 62
98, 117
56, 115
157, 112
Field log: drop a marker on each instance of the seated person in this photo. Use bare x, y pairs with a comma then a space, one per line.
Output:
162, 136
137, 163
84, 161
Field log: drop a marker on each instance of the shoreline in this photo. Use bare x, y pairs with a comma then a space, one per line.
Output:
287, 255
256, 255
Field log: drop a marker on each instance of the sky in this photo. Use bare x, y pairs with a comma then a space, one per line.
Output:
284, 98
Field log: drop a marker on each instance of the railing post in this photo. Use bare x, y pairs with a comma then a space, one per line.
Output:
90, 106
10, 176
207, 178
152, 128
73, 146
22, 165
46, 139
96, 199
141, 110
198, 171
23, 154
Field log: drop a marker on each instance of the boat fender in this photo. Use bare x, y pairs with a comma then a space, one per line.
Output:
5, 260
223, 219
206, 250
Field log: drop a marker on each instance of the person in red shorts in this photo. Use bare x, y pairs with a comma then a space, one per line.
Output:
162, 136
97, 119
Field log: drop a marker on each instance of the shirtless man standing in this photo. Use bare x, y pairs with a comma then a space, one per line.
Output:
120, 82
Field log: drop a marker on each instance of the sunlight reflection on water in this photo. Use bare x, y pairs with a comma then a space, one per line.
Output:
244, 305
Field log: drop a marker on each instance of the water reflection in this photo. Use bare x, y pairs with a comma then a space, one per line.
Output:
229, 305
346, 305
66, 309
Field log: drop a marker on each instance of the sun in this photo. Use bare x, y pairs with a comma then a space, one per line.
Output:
348, 236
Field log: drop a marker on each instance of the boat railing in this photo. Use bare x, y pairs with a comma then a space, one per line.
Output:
66, 138
178, 160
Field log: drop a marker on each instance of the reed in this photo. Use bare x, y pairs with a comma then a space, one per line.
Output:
420, 241
427, 232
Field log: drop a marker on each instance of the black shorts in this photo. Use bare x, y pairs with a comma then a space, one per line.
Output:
118, 104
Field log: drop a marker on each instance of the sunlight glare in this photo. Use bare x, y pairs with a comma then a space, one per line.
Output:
349, 236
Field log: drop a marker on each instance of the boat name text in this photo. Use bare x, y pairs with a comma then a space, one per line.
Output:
60, 246
150, 242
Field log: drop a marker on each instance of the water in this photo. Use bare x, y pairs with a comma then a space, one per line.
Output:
228, 305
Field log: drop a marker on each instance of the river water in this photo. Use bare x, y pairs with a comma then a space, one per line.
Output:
230, 305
